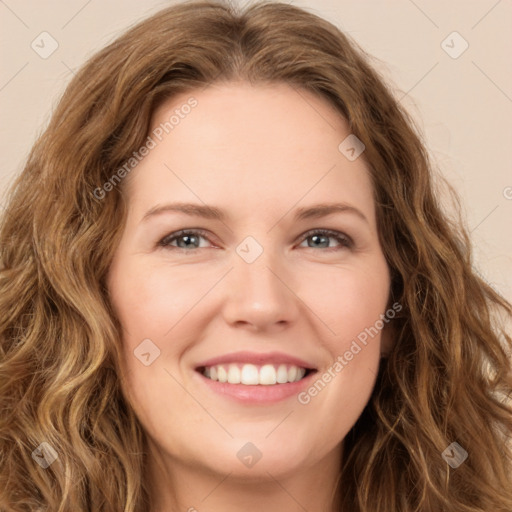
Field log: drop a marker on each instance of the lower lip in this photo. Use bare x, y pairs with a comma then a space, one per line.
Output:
257, 394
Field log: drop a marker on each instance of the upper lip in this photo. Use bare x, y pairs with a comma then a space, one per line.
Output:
258, 358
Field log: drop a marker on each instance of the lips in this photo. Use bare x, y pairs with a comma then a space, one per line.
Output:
255, 358
256, 378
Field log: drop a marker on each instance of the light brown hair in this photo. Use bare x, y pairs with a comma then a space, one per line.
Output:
447, 378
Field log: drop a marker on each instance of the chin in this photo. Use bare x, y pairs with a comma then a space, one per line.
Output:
257, 458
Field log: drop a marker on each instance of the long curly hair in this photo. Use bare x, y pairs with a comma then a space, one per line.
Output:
447, 378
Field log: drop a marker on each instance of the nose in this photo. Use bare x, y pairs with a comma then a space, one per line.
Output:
260, 296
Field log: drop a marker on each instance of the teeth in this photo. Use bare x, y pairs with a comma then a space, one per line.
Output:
234, 374
249, 375
222, 375
252, 375
282, 374
268, 375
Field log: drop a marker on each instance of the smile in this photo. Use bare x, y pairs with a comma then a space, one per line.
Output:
253, 375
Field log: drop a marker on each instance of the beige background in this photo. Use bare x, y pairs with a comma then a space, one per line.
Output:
463, 105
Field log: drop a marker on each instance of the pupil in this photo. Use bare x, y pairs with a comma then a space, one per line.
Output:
316, 237
187, 237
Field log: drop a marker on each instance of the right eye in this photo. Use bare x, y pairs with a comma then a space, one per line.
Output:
190, 236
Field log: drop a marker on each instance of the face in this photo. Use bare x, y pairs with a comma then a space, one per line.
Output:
253, 281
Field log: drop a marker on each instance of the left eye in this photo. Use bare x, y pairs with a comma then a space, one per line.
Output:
191, 239
344, 240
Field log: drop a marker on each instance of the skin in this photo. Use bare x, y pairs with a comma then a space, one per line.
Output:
259, 153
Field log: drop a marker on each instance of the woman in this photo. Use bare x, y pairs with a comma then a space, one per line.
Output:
247, 367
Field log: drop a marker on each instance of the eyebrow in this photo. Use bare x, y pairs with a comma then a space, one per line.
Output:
212, 212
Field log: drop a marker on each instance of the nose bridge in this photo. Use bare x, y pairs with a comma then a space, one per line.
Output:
256, 266
257, 292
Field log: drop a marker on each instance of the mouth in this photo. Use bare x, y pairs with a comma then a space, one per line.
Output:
252, 378
253, 384
254, 374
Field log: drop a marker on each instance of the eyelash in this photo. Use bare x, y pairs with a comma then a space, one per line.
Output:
344, 240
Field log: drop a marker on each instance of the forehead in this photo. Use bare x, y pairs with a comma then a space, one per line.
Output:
262, 109
272, 142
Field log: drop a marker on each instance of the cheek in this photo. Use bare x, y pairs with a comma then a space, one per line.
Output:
347, 300
351, 304
353, 310
150, 300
